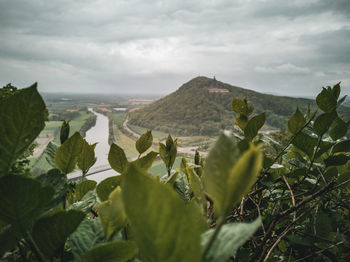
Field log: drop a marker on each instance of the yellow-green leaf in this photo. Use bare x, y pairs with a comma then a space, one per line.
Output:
217, 169
243, 176
112, 214
296, 122
117, 158
144, 142
146, 161
87, 158
106, 186
254, 125
67, 154
164, 227
118, 251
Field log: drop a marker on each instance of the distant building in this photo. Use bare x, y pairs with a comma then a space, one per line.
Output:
218, 90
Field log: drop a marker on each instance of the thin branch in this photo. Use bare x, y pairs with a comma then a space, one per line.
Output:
325, 189
291, 140
292, 196
320, 251
287, 230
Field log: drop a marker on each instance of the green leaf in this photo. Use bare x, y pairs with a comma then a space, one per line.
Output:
299, 240
112, 213
338, 129
296, 122
85, 237
330, 173
344, 177
106, 186
7, 239
172, 179
238, 106
50, 152
117, 159
86, 203
323, 224
336, 90
82, 188
242, 107
230, 238
51, 232
146, 161
22, 117
59, 182
197, 188
342, 146
87, 158
22, 199
144, 142
168, 151
241, 121
305, 143
323, 122
254, 125
336, 160
64, 132
217, 169
67, 154
165, 228
242, 177
326, 101
118, 251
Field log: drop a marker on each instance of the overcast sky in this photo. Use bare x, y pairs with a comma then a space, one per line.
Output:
140, 46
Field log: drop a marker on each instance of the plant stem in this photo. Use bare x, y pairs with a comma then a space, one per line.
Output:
312, 159
35, 248
220, 223
291, 140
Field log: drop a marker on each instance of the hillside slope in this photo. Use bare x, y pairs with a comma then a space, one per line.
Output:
202, 106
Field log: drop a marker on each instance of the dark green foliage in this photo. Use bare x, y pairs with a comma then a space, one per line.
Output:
64, 133
51, 232
22, 199
23, 116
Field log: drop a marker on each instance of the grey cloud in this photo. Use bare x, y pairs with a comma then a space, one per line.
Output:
155, 46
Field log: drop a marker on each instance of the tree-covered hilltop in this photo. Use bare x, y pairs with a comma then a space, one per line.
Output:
202, 106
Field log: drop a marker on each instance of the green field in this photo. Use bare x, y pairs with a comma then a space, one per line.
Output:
118, 117
156, 134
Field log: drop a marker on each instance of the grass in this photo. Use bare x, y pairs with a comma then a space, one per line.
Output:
125, 142
156, 134
118, 117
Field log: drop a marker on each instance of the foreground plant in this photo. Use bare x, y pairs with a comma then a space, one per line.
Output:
235, 205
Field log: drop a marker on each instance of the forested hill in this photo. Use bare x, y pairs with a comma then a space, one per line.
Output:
202, 106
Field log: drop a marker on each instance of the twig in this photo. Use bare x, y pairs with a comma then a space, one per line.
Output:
320, 251
268, 233
286, 231
325, 189
292, 195
291, 140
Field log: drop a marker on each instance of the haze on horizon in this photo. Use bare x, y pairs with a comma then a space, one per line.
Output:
129, 47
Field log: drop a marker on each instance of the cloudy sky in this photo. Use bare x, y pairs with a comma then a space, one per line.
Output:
137, 46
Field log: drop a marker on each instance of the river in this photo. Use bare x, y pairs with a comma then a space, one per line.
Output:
98, 134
